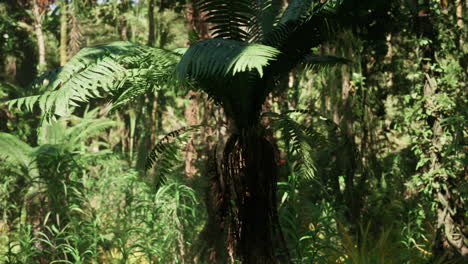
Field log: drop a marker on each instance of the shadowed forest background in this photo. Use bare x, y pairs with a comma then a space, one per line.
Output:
266, 131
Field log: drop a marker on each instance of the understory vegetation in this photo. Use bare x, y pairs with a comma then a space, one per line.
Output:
269, 131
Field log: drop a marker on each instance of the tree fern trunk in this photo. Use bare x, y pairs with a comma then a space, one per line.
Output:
247, 200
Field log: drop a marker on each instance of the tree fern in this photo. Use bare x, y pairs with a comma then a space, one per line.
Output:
107, 68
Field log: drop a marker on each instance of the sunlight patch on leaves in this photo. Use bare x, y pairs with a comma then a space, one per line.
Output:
220, 57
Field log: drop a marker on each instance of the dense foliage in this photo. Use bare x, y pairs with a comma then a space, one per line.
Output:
220, 131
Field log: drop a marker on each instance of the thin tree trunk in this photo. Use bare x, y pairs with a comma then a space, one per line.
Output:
459, 13
191, 116
162, 5
459, 16
39, 35
123, 21
151, 23
63, 32
76, 35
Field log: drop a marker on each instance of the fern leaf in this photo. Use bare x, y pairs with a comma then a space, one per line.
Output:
214, 57
14, 150
98, 71
296, 10
266, 14
163, 144
324, 60
229, 17
301, 139
165, 154
71, 137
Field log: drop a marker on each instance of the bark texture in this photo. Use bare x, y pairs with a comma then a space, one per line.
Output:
247, 200
151, 28
63, 32
42, 65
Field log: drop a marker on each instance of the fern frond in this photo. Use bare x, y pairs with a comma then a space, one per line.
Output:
301, 139
229, 17
301, 9
70, 137
303, 26
314, 62
97, 70
164, 142
14, 150
165, 154
218, 57
86, 129
266, 16
296, 10
327, 60
155, 71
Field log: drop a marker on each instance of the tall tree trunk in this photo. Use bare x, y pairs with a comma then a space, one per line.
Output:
191, 116
162, 5
191, 112
39, 35
123, 21
76, 34
63, 32
459, 17
459, 12
348, 154
151, 28
196, 22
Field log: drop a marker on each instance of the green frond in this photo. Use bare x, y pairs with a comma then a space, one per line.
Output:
155, 71
266, 16
71, 137
86, 129
289, 39
220, 57
14, 150
296, 10
165, 154
304, 25
301, 141
301, 9
323, 62
229, 17
97, 70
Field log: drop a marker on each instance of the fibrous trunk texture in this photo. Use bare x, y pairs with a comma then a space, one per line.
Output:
246, 204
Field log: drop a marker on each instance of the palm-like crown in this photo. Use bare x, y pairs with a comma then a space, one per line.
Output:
252, 45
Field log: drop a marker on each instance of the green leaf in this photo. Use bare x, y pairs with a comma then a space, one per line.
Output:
220, 57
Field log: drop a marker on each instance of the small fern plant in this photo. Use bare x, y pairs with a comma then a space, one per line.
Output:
253, 44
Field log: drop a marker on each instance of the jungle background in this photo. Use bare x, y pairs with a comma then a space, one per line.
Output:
371, 153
